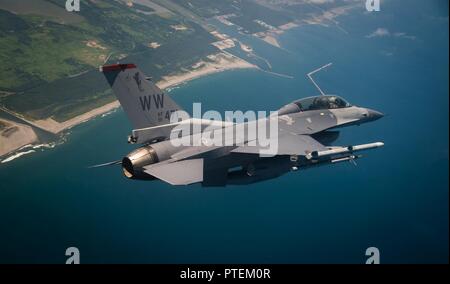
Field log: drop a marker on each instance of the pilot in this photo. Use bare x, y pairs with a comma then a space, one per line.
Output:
320, 103
334, 102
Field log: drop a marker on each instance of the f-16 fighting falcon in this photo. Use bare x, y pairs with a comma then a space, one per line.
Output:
304, 133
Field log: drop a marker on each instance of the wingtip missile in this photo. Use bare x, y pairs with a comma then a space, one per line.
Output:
344, 150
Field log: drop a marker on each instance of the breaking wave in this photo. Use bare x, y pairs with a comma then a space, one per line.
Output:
17, 155
31, 148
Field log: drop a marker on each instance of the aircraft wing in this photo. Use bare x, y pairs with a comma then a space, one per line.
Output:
190, 165
178, 172
288, 144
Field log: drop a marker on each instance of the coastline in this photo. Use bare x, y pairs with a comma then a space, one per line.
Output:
14, 136
271, 36
219, 62
216, 63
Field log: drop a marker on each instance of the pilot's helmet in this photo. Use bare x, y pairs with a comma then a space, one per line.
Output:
321, 101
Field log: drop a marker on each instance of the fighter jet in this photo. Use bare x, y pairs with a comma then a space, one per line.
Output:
305, 132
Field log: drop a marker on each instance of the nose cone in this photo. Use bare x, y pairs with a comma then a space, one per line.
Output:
374, 115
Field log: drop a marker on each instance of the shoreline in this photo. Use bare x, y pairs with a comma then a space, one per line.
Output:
271, 36
222, 61
14, 136
216, 63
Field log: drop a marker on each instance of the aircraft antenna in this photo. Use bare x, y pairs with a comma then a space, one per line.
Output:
315, 71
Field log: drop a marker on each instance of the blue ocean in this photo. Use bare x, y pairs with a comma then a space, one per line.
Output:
395, 199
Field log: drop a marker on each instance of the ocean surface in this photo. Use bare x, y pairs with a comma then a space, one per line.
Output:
396, 199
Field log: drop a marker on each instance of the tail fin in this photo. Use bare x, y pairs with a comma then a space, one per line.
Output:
145, 104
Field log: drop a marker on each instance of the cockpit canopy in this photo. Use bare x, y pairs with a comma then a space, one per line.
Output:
321, 102
314, 103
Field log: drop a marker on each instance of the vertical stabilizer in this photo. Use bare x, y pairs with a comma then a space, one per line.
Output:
145, 104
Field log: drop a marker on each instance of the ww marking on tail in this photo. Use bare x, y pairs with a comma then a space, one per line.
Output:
146, 101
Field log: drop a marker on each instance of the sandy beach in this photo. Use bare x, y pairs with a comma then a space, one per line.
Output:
220, 62
271, 36
14, 135
271, 40
55, 127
